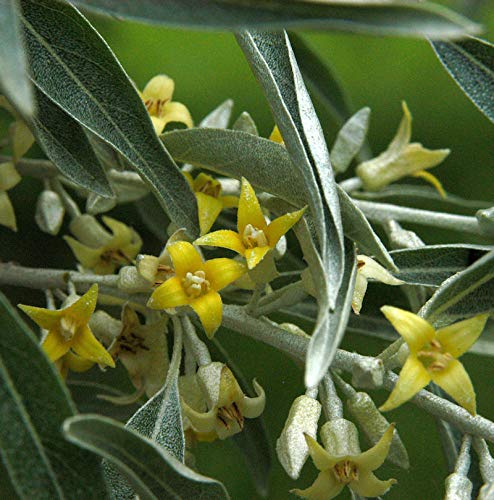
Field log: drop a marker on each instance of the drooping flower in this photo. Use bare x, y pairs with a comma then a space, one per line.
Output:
196, 284
401, 159
210, 201
72, 362
99, 250
368, 268
227, 404
433, 357
255, 237
68, 329
9, 178
341, 463
157, 96
350, 468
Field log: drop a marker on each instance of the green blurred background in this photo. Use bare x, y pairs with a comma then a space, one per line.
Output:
376, 72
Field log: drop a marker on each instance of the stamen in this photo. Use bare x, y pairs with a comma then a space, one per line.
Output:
433, 357
211, 188
232, 413
67, 327
196, 284
346, 472
254, 237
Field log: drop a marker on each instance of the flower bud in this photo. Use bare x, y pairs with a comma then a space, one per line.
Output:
458, 487
21, 139
291, 446
131, 281
105, 327
340, 438
374, 425
368, 373
49, 212
89, 231
96, 204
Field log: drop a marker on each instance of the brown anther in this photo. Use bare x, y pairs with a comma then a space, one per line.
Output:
211, 189
360, 264
232, 413
346, 471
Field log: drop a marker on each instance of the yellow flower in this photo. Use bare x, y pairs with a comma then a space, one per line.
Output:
72, 362
227, 403
68, 330
8, 179
99, 250
255, 237
157, 96
209, 200
196, 283
433, 357
352, 469
401, 159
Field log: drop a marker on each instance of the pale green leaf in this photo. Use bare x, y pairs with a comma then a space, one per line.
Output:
219, 117
245, 123
471, 64
75, 68
34, 402
153, 472
14, 78
376, 17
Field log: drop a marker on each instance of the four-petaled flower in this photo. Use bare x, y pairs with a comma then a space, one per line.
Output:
210, 202
255, 237
433, 356
352, 470
402, 159
99, 250
227, 404
196, 283
157, 96
68, 329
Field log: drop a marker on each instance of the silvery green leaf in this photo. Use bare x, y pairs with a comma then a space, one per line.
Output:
350, 140
377, 17
466, 293
66, 145
245, 123
219, 117
153, 216
325, 340
14, 78
92, 89
432, 265
159, 420
273, 62
471, 64
423, 197
486, 221
32, 448
153, 472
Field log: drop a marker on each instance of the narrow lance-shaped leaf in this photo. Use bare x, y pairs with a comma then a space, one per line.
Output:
75, 68
65, 143
376, 17
34, 404
471, 64
153, 472
14, 78
273, 62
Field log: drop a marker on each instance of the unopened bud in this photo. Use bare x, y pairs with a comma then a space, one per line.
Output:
291, 446
89, 231
368, 373
105, 327
458, 487
131, 281
340, 438
49, 212
96, 204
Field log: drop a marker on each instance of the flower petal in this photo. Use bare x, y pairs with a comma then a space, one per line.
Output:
459, 337
7, 213
75, 363
9, 177
249, 210
169, 294
209, 208
277, 228
87, 256
223, 239
370, 269
209, 308
373, 458
221, 272
158, 124
121, 233
321, 458
431, 179
253, 407
455, 381
229, 201
359, 292
82, 309
185, 258
176, 112
255, 255
413, 377
159, 87
416, 331
276, 136
87, 347
368, 485
45, 318
201, 422
55, 346
324, 487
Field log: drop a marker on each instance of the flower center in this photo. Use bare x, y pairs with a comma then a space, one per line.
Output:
68, 327
229, 414
196, 284
211, 188
345, 472
254, 237
115, 256
433, 356
154, 106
